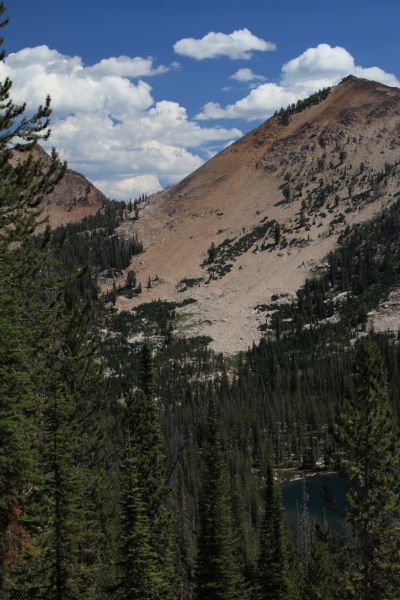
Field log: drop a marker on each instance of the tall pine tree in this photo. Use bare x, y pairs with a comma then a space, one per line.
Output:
271, 581
64, 555
217, 576
22, 187
145, 518
368, 438
139, 576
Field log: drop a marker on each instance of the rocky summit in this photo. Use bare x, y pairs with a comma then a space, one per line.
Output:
258, 218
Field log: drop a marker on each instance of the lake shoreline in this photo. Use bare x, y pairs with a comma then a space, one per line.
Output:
289, 475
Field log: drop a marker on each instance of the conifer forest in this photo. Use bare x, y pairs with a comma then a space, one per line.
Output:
136, 463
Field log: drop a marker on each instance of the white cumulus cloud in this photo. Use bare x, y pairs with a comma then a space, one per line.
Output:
239, 44
326, 65
314, 69
260, 103
129, 188
246, 75
108, 126
124, 66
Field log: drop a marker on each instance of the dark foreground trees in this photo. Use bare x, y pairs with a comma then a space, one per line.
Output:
49, 405
368, 438
271, 581
147, 541
21, 189
218, 576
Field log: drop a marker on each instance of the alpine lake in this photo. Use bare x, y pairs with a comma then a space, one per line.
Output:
308, 489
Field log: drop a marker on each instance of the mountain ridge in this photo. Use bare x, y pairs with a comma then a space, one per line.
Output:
334, 164
72, 199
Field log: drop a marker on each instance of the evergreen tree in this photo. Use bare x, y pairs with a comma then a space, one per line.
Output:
22, 187
367, 435
146, 376
64, 556
140, 578
49, 406
304, 529
130, 279
322, 578
271, 572
144, 493
245, 541
217, 576
212, 253
277, 232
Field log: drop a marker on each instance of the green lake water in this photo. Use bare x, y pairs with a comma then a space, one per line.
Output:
292, 499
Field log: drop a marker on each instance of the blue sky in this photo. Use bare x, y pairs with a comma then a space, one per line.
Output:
148, 124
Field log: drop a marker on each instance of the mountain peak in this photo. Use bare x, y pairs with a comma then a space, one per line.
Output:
357, 93
273, 204
352, 81
72, 199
